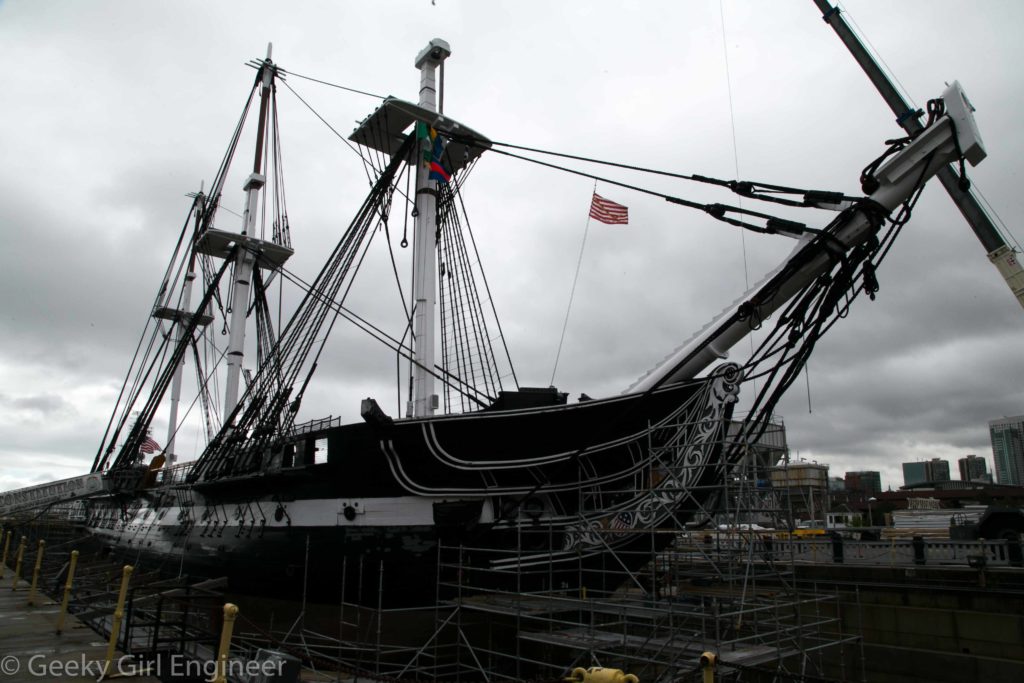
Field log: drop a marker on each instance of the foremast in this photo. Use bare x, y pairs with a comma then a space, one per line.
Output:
443, 147
423, 401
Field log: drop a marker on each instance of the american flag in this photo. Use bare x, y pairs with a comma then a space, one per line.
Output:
149, 446
607, 211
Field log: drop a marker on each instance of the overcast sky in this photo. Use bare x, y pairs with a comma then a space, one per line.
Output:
112, 111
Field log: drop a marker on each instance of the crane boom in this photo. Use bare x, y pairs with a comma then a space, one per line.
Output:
999, 252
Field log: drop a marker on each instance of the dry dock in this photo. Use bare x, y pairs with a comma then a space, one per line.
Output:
30, 649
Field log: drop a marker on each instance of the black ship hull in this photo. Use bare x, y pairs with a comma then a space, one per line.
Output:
403, 513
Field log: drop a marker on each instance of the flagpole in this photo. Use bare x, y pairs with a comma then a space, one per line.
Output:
572, 293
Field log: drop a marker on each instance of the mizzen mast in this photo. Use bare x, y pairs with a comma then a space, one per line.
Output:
180, 316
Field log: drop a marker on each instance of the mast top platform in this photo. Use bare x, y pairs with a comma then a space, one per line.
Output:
221, 244
384, 131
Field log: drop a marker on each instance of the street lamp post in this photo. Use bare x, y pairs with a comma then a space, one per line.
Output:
871, 518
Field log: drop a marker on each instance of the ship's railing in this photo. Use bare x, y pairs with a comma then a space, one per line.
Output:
169, 476
917, 551
316, 425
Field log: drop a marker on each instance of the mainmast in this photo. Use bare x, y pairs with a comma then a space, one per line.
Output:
424, 255
245, 259
245, 248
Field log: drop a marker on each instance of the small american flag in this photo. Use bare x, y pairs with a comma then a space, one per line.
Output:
607, 211
149, 446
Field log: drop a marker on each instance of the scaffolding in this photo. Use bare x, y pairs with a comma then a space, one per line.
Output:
719, 583
705, 578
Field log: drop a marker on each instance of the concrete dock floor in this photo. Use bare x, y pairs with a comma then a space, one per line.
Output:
30, 649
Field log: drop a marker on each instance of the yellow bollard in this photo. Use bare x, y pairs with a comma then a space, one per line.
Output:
35, 573
17, 563
707, 665
230, 614
599, 674
67, 591
7, 547
115, 627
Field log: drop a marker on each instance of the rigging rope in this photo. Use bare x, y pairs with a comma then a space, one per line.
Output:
99, 460
467, 351
333, 85
746, 188
572, 294
483, 276
735, 155
773, 224
269, 406
812, 313
139, 430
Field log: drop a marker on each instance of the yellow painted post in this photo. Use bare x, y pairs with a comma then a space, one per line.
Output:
17, 564
35, 573
707, 665
230, 614
7, 547
115, 627
599, 674
67, 591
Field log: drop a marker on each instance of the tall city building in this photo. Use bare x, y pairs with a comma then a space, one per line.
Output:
867, 483
1008, 449
915, 473
938, 469
972, 468
926, 472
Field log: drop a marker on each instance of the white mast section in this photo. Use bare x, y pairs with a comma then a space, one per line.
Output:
424, 400
179, 333
245, 259
180, 318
